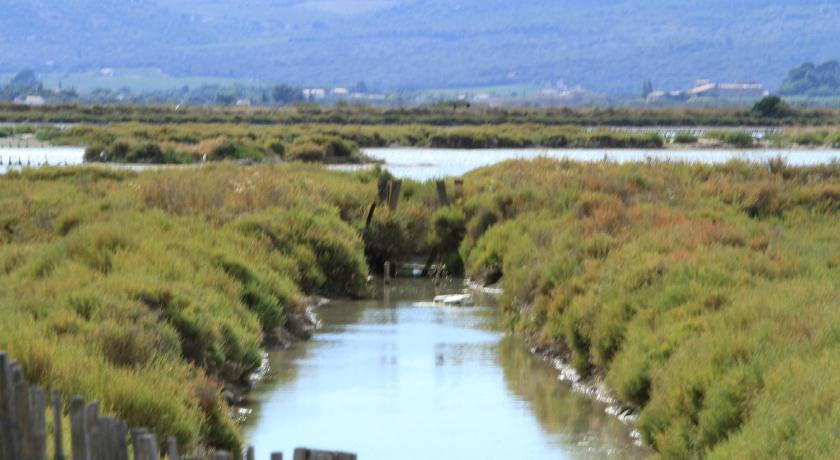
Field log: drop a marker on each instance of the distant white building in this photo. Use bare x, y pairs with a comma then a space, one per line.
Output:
34, 101
705, 88
340, 91
243, 103
314, 93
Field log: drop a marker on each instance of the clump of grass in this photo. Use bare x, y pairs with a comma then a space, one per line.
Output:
685, 137
811, 138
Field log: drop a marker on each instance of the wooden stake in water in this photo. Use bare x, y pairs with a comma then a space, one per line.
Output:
387, 272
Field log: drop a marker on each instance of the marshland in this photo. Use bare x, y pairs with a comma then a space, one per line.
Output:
702, 296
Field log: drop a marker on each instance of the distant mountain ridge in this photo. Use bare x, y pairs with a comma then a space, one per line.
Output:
606, 46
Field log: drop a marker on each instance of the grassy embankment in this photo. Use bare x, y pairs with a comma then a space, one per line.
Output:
142, 143
704, 295
440, 115
152, 292
190, 143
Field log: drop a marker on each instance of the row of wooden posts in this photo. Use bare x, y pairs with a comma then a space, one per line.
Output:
24, 434
389, 192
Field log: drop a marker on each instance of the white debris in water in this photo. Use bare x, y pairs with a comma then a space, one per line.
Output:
454, 300
624, 414
494, 291
593, 389
261, 371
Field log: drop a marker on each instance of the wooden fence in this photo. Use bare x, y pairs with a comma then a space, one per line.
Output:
24, 433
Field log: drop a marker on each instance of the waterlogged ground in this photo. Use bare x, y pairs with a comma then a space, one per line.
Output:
392, 378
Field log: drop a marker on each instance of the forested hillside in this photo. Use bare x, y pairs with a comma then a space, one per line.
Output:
606, 45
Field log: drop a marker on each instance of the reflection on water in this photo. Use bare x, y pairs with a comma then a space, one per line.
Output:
387, 379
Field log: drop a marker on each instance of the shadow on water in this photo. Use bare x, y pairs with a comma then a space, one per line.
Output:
393, 377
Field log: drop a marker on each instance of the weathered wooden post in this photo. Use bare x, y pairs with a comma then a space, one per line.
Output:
78, 429
145, 445
249, 454
459, 189
38, 420
441, 191
384, 187
394, 194
370, 216
22, 411
136, 446
276, 456
12, 426
92, 431
172, 449
120, 434
58, 429
153, 448
111, 446
6, 408
387, 272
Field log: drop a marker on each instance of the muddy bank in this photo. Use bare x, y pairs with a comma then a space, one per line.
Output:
299, 326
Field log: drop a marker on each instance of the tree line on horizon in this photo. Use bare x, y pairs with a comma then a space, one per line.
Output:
808, 81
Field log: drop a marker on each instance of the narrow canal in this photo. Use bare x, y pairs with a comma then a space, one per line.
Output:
397, 378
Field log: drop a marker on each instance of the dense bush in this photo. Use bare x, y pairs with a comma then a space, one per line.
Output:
684, 137
153, 292
704, 295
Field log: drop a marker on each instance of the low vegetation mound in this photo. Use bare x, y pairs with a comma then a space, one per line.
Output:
706, 296
154, 292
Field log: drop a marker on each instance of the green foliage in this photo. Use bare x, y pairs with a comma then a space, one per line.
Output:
813, 81
684, 137
772, 107
703, 294
153, 292
448, 227
739, 139
810, 138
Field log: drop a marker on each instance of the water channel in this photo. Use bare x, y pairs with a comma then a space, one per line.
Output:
395, 377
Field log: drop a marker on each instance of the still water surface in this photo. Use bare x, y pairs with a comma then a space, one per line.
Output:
391, 378
425, 164
17, 158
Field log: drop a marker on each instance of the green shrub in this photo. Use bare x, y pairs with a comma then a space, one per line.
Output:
306, 152
739, 139
145, 153
811, 138
685, 137
448, 228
